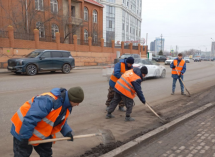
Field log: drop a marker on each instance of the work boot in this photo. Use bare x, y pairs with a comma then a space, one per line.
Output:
127, 119
121, 108
182, 93
109, 116
107, 108
172, 93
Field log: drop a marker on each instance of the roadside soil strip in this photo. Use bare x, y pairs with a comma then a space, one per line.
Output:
146, 122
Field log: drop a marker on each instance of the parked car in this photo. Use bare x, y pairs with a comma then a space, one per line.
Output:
169, 60
213, 59
197, 59
154, 69
187, 59
126, 55
42, 60
159, 58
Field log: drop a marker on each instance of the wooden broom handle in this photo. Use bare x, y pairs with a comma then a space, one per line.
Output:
63, 138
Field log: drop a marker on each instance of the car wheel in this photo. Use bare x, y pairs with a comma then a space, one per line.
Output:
66, 68
31, 70
53, 71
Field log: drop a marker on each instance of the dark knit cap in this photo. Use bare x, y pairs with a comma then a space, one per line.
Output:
76, 94
130, 60
144, 70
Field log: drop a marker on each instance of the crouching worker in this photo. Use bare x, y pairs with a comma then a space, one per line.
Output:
125, 89
41, 118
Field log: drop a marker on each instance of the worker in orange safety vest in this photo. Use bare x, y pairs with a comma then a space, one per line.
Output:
41, 118
178, 65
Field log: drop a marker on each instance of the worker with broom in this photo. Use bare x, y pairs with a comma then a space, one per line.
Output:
120, 68
125, 89
41, 118
178, 69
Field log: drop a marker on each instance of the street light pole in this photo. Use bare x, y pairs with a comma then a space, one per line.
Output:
211, 48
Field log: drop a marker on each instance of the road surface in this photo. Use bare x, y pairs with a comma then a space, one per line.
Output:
90, 115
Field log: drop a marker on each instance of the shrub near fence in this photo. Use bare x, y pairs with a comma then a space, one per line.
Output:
96, 43
23, 36
82, 42
135, 47
3, 34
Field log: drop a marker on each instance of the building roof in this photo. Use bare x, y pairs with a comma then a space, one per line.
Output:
94, 2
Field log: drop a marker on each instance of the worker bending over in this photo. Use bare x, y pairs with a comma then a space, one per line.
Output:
41, 118
125, 89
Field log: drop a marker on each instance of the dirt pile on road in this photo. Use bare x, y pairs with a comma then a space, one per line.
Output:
170, 110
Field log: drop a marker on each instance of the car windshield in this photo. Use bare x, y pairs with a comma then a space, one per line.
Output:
33, 54
146, 62
125, 56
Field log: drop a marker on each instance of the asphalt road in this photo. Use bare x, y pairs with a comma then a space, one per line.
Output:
90, 115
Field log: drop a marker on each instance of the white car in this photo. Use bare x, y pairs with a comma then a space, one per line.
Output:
154, 69
169, 60
187, 59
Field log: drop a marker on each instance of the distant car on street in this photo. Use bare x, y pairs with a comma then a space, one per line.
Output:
213, 59
126, 55
159, 58
42, 60
169, 60
187, 59
197, 59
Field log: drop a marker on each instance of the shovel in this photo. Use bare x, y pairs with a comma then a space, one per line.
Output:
153, 111
183, 82
107, 137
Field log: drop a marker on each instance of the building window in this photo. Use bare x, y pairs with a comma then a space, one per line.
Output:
95, 38
85, 35
39, 4
95, 16
85, 14
110, 24
127, 28
130, 29
127, 4
41, 28
123, 26
54, 6
55, 29
73, 11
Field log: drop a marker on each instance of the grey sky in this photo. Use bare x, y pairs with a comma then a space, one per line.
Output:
186, 23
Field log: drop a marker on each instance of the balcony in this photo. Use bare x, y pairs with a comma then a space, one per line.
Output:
76, 21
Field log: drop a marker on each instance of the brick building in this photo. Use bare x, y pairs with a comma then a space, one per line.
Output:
83, 18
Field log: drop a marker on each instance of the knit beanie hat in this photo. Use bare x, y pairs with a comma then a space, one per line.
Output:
76, 94
144, 70
130, 60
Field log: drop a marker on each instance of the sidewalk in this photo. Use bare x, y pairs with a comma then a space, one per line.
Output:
194, 138
76, 68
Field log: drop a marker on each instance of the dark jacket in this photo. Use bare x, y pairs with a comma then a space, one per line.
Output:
183, 70
117, 71
137, 85
40, 108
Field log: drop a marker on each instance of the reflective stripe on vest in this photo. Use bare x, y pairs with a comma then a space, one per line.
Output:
122, 71
124, 85
179, 67
45, 127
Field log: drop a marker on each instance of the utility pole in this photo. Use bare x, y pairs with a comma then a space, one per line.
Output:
161, 43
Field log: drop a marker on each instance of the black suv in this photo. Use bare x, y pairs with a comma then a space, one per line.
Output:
159, 58
42, 60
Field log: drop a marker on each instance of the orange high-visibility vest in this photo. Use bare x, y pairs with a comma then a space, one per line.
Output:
124, 85
45, 127
114, 78
179, 67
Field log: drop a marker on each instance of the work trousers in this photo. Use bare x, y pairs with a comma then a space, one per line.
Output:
174, 84
127, 101
44, 149
110, 97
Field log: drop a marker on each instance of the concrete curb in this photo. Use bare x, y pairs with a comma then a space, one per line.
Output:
120, 150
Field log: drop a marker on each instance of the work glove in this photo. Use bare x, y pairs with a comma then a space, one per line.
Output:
24, 142
69, 134
173, 67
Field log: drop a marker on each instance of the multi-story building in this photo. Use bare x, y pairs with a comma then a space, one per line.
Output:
152, 46
122, 20
83, 18
212, 49
159, 45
